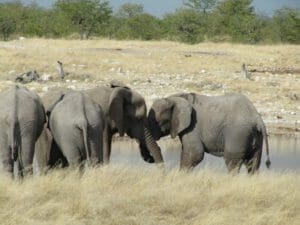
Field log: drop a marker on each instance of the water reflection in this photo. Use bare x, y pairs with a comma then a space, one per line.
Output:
284, 154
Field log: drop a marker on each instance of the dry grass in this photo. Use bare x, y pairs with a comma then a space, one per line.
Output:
119, 195
161, 67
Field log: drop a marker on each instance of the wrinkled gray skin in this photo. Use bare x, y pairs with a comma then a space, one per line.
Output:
227, 126
47, 153
124, 111
76, 123
22, 117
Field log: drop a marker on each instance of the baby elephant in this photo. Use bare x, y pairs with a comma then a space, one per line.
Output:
77, 123
227, 126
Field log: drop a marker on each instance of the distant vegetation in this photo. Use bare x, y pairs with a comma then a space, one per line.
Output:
196, 21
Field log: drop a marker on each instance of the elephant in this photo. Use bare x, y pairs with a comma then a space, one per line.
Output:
22, 117
228, 126
125, 112
76, 123
47, 154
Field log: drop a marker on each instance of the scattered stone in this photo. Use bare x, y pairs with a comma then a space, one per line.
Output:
46, 77
27, 77
274, 84
45, 89
293, 96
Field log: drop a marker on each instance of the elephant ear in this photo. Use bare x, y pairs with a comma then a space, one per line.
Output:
181, 115
52, 106
116, 109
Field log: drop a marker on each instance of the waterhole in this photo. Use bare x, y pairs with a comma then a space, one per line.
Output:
284, 154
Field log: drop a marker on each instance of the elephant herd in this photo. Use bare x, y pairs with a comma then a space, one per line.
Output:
75, 128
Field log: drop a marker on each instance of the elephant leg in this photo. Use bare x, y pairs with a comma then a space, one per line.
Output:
107, 138
253, 158
56, 157
42, 151
233, 164
192, 151
27, 153
236, 147
7, 161
96, 147
72, 154
253, 163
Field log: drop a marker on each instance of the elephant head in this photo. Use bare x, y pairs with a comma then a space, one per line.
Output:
170, 115
128, 114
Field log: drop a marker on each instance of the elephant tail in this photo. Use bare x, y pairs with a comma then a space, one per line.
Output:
84, 128
15, 129
262, 128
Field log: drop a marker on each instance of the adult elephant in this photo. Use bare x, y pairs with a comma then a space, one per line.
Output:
126, 112
76, 123
47, 153
227, 126
22, 117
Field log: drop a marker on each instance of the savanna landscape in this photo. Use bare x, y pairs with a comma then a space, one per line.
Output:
206, 47
122, 194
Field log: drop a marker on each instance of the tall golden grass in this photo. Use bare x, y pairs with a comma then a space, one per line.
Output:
128, 196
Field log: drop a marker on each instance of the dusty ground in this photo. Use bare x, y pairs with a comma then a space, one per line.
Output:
157, 69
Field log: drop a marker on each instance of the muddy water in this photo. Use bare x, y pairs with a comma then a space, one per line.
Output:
284, 153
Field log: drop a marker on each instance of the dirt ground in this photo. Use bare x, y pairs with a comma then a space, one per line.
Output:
158, 69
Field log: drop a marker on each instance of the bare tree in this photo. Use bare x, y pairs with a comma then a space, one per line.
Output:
245, 71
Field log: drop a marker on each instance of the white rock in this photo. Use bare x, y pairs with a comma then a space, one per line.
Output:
74, 81
46, 77
45, 89
67, 81
72, 87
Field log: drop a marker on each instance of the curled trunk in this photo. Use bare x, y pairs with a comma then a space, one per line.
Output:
151, 144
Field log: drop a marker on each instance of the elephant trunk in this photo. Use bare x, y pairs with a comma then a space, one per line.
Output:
152, 146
